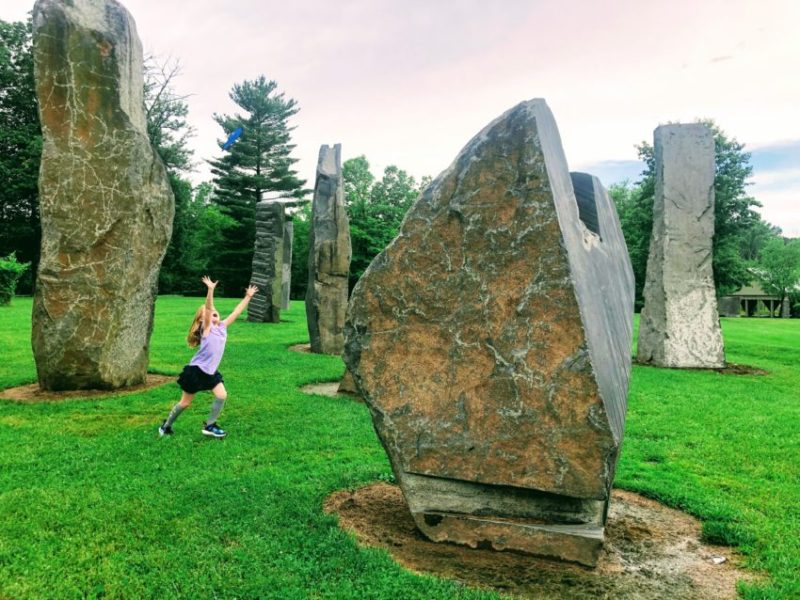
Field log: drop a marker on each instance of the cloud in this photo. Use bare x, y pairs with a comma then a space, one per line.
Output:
777, 156
613, 171
410, 83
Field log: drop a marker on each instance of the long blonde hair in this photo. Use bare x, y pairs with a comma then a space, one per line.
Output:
196, 330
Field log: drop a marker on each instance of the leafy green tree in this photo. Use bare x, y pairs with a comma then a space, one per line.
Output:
169, 134
375, 209
174, 268
778, 267
302, 227
199, 230
635, 209
20, 149
10, 272
258, 162
166, 113
755, 238
205, 235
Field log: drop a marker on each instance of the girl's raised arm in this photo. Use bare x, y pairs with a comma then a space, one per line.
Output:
248, 294
209, 306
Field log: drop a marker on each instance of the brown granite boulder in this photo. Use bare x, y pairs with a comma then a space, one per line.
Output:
328, 256
105, 199
491, 341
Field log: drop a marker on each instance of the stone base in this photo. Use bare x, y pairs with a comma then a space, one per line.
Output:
347, 385
575, 543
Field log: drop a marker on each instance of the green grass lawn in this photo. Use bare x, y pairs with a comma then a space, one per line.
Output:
94, 504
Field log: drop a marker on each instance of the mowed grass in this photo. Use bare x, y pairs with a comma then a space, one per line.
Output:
94, 504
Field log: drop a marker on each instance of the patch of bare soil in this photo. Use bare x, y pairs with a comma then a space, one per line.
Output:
728, 369
31, 393
328, 388
733, 369
650, 552
304, 348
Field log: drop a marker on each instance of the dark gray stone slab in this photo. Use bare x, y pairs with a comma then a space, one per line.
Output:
679, 324
286, 278
265, 307
328, 256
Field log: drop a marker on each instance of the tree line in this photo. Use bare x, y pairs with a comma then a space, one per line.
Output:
214, 226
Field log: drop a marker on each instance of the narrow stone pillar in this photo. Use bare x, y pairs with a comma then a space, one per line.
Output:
286, 279
265, 307
679, 325
104, 197
328, 256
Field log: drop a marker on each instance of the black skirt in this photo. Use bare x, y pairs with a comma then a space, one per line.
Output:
193, 379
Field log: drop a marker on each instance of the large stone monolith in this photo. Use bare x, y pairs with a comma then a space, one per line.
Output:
286, 279
679, 324
104, 196
491, 341
265, 307
328, 256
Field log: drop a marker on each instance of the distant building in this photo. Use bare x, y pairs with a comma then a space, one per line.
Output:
753, 301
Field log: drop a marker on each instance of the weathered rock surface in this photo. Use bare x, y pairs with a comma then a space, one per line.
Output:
265, 307
105, 200
679, 323
491, 341
286, 279
328, 256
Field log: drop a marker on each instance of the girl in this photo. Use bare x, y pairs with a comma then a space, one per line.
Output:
208, 332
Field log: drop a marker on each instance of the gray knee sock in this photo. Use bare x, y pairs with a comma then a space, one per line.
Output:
216, 408
174, 414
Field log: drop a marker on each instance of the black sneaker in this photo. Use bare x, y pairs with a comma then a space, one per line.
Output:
214, 431
162, 431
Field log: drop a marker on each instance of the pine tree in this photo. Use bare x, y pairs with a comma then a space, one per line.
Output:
258, 162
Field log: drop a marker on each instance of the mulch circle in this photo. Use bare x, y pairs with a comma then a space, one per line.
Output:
650, 552
31, 394
728, 369
302, 348
734, 369
330, 389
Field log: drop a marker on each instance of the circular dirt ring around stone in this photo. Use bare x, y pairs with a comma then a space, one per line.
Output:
31, 393
729, 369
330, 389
302, 348
650, 552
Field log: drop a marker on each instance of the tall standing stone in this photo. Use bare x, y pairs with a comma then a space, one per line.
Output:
491, 342
104, 196
265, 307
328, 256
679, 323
286, 279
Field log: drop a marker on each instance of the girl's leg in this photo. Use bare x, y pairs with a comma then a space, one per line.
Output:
186, 400
220, 395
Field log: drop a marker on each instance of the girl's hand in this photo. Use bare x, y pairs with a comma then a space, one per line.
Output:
251, 291
209, 284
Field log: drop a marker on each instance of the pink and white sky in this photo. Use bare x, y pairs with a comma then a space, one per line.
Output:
409, 83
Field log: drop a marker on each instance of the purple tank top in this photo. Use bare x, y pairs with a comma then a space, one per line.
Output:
211, 348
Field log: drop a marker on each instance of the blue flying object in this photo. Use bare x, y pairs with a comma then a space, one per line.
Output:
232, 138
